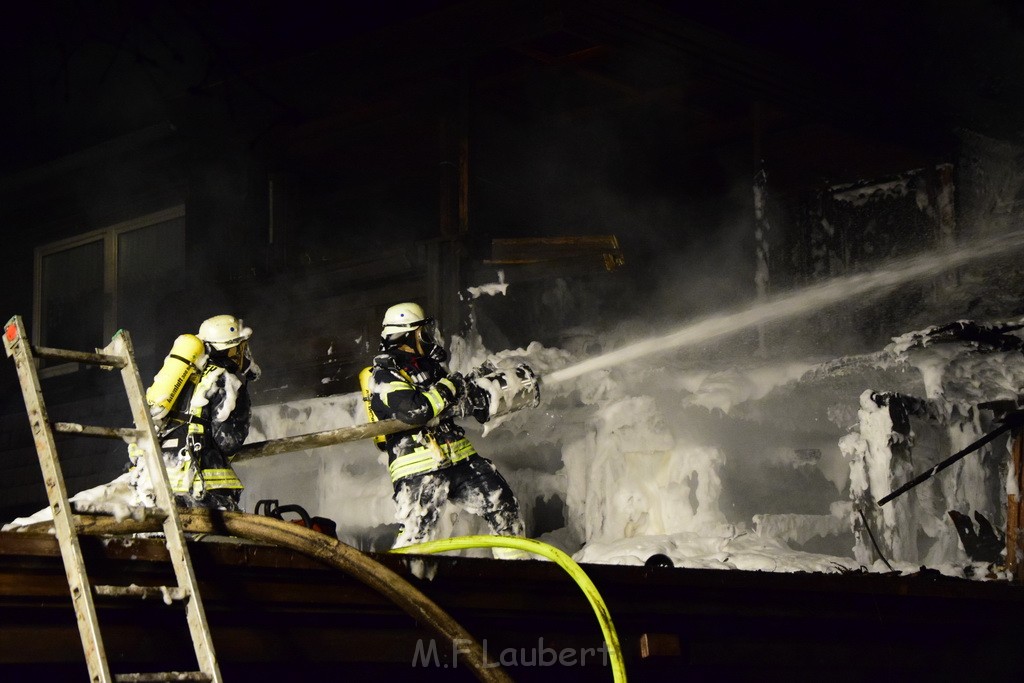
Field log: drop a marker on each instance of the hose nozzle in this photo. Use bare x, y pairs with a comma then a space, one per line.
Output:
492, 392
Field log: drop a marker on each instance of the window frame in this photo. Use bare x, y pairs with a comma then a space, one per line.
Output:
109, 236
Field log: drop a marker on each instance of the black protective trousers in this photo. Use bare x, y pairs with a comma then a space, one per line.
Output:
474, 485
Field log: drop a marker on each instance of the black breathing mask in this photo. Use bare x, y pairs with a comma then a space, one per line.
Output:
426, 337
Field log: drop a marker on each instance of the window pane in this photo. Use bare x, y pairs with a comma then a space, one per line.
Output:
150, 278
72, 298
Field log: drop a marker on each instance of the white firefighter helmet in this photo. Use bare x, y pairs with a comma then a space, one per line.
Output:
223, 332
402, 318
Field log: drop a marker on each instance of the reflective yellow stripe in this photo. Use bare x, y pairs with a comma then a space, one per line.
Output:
425, 459
434, 398
437, 402
221, 479
181, 482
179, 479
418, 461
460, 450
395, 386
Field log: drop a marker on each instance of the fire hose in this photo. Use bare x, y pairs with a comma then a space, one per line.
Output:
491, 392
611, 639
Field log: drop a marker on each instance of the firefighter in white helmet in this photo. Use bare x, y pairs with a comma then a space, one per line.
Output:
434, 462
200, 402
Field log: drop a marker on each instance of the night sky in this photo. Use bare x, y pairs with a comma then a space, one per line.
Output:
74, 71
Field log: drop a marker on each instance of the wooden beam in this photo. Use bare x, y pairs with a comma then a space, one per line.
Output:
445, 258
1015, 512
603, 249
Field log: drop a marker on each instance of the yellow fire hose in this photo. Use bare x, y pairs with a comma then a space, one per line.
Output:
560, 558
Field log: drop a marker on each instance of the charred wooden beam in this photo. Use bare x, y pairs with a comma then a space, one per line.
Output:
1015, 512
599, 249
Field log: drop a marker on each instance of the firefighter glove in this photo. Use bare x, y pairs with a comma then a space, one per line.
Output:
450, 387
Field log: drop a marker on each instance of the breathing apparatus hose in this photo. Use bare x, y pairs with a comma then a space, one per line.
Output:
552, 553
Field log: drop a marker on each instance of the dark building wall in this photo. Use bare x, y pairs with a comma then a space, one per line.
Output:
322, 182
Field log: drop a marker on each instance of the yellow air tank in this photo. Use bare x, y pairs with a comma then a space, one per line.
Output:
185, 360
364, 385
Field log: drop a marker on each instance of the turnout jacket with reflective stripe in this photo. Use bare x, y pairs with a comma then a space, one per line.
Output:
402, 386
217, 414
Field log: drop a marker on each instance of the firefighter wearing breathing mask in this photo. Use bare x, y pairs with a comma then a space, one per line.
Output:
201, 406
434, 462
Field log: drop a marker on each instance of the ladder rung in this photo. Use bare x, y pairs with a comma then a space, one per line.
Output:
166, 593
80, 357
163, 676
105, 432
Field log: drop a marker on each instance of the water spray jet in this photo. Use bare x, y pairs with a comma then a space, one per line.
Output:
497, 392
796, 303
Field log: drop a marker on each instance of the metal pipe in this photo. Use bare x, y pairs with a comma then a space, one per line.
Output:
1010, 423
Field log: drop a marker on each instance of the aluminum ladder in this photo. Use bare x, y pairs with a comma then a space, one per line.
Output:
116, 355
